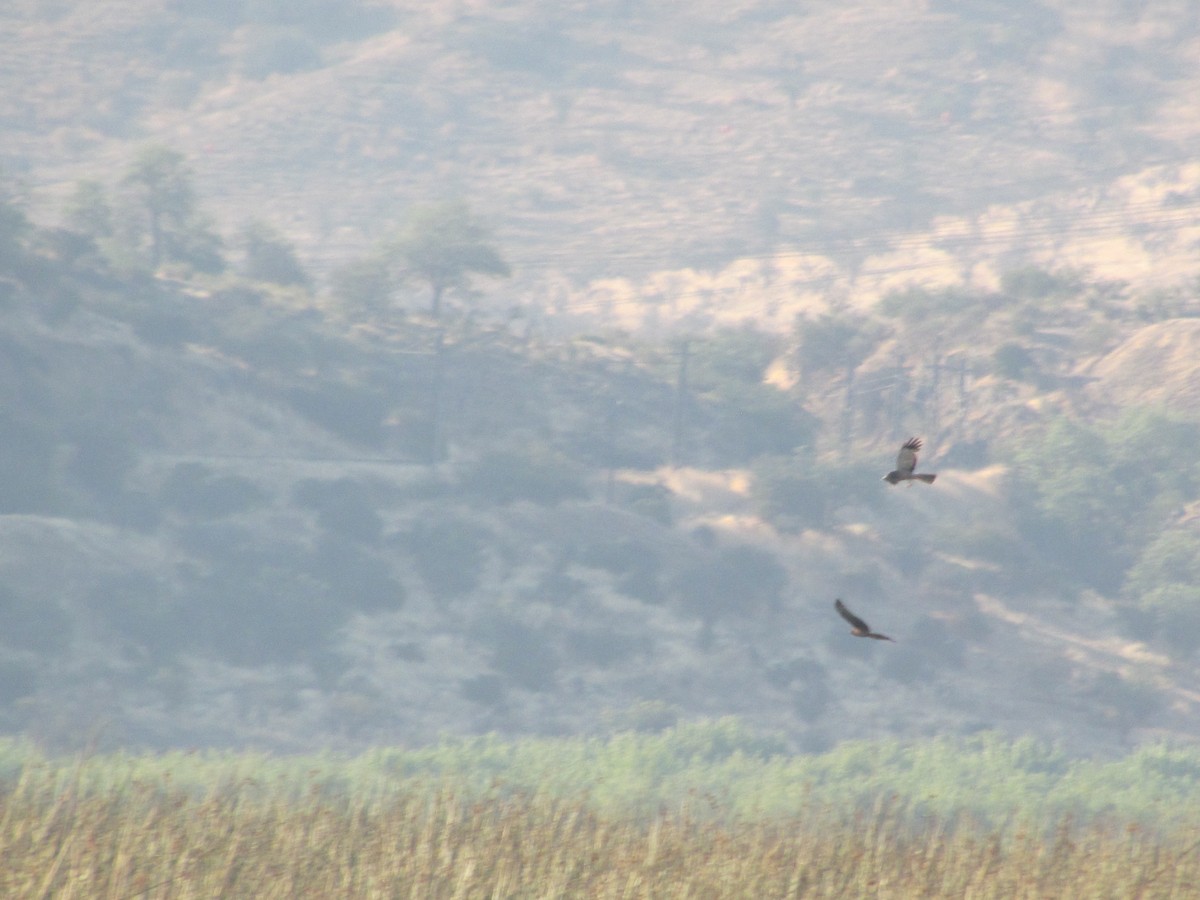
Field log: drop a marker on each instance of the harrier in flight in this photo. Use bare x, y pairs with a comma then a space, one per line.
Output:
858, 627
906, 461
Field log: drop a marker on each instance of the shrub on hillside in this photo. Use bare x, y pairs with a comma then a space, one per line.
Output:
1014, 361
359, 578
635, 565
345, 507
743, 422
604, 647
272, 50
833, 343
520, 653
195, 490
739, 579
27, 459
364, 285
535, 473
1164, 585
795, 492
353, 412
256, 611
268, 256
448, 553
139, 606
33, 623
1090, 497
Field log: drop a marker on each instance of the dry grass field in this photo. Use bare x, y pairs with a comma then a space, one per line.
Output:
418, 824
155, 842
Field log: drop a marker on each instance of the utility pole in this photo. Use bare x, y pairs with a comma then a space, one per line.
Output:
962, 389
899, 394
935, 392
436, 400
848, 408
610, 446
681, 390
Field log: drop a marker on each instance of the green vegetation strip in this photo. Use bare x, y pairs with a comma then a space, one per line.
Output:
718, 765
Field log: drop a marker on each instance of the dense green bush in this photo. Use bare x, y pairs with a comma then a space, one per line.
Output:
1164, 583
281, 50
928, 651
33, 623
731, 355
797, 492
18, 679
740, 579
743, 422
1121, 702
925, 307
364, 285
1092, 496
739, 417
260, 611
834, 344
249, 597
448, 552
269, 256
1014, 362
139, 606
356, 577
195, 490
604, 646
27, 457
636, 566
650, 500
1033, 283
345, 507
807, 684
520, 653
486, 690
102, 460
535, 473
354, 412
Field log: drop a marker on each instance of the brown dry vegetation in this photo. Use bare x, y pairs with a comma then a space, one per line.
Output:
244, 842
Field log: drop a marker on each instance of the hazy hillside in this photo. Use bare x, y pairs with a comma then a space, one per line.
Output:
926, 141
257, 492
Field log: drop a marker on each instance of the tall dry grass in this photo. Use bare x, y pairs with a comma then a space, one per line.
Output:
244, 840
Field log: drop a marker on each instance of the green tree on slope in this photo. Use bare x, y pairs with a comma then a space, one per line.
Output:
443, 246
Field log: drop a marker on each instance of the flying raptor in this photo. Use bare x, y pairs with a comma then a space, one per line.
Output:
858, 627
906, 461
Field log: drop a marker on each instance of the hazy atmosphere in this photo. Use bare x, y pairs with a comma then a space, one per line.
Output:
380, 371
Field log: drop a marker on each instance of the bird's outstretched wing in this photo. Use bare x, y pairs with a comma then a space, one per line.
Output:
855, 622
858, 627
906, 459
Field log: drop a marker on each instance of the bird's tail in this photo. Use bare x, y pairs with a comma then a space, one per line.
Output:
928, 479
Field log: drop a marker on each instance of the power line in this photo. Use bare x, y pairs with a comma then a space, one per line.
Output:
1067, 223
1090, 225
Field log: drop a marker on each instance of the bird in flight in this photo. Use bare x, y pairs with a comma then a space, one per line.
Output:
858, 627
906, 461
